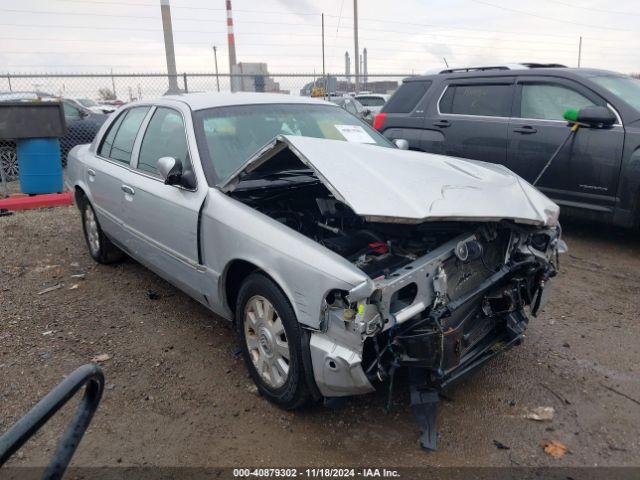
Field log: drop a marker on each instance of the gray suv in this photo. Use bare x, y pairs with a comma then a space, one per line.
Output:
513, 115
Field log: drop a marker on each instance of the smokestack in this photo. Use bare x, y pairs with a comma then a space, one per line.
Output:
165, 11
365, 69
347, 66
230, 38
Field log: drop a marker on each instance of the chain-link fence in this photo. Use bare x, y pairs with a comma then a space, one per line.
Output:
87, 97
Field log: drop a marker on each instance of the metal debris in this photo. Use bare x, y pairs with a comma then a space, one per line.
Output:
50, 289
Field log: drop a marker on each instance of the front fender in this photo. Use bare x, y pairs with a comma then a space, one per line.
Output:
304, 270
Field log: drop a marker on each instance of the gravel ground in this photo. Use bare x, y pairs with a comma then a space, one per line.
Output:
176, 395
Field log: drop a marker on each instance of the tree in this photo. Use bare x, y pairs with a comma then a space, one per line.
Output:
106, 94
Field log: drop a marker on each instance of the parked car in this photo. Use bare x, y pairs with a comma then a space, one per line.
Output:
513, 115
82, 126
372, 101
354, 107
338, 256
94, 106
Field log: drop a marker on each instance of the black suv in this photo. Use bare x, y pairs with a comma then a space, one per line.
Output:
513, 115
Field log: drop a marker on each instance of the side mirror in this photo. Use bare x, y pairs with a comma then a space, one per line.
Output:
170, 170
366, 112
593, 117
401, 143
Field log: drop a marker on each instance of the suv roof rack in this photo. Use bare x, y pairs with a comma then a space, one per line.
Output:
507, 66
544, 65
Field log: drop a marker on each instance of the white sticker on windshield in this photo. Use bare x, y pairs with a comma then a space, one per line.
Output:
354, 134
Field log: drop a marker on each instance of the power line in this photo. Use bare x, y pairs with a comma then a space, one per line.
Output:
440, 26
565, 21
593, 9
184, 7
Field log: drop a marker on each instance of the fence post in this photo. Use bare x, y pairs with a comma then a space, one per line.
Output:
9, 80
184, 79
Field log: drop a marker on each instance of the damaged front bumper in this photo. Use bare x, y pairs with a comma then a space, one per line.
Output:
438, 315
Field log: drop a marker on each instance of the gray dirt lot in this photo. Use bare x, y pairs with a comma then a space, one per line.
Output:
176, 395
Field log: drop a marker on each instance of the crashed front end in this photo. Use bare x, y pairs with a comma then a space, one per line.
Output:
455, 254
444, 313
440, 316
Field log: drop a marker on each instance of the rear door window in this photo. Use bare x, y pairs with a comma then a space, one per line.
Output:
407, 97
107, 142
488, 100
126, 136
549, 101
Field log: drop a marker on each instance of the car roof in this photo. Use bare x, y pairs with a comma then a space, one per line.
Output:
564, 72
201, 101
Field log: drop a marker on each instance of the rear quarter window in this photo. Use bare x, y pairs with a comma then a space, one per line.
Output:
407, 97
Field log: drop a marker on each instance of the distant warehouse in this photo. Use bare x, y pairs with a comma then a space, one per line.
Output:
253, 77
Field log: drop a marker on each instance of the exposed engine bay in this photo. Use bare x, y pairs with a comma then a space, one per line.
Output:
378, 249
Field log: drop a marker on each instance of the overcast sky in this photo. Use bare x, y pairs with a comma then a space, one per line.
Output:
401, 37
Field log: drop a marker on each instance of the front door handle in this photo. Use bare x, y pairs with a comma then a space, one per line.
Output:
442, 123
525, 130
128, 189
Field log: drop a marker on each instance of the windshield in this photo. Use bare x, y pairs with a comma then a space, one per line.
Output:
627, 88
371, 101
229, 136
87, 102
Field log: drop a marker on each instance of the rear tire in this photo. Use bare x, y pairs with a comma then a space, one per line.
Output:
101, 249
9, 161
270, 340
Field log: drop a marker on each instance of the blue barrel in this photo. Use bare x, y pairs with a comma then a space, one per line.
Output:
40, 168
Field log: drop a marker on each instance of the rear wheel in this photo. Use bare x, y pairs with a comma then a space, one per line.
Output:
101, 249
271, 342
9, 162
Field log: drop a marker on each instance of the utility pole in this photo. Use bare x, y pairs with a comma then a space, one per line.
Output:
355, 39
231, 46
323, 71
172, 74
580, 52
215, 59
113, 85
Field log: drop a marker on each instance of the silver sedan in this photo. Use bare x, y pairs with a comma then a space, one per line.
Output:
340, 257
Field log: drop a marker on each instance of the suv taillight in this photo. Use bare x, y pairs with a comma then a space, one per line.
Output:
378, 121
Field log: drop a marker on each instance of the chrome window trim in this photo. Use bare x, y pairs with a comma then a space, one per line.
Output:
464, 115
611, 107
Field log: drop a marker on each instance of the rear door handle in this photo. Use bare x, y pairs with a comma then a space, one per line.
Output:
525, 130
128, 189
442, 123
91, 172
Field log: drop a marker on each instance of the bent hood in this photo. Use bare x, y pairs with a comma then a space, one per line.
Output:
391, 185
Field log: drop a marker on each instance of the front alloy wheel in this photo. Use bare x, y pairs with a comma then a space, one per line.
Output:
266, 341
271, 341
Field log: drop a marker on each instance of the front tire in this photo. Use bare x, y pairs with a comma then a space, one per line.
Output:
271, 343
101, 249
